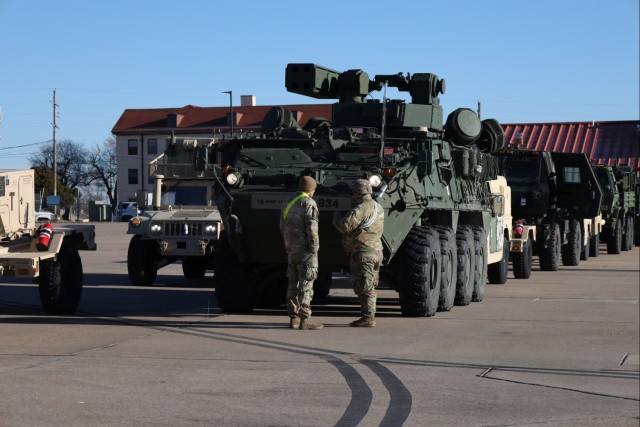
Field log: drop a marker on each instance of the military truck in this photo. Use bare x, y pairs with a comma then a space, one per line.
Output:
49, 253
618, 206
556, 207
183, 224
444, 210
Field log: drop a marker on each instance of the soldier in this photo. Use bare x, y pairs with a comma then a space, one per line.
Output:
361, 230
299, 228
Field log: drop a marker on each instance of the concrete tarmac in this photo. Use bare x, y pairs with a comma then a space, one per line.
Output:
560, 348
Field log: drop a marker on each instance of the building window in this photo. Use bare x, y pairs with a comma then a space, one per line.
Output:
152, 146
572, 175
132, 149
133, 176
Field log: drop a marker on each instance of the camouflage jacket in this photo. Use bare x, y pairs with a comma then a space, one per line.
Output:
362, 226
299, 226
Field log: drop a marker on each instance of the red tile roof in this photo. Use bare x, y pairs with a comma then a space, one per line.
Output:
611, 143
614, 142
207, 119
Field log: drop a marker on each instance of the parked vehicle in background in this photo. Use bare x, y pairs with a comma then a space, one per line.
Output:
556, 202
618, 206
126, 210
182, 225
45, 216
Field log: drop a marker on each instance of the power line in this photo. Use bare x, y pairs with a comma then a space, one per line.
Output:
25, 145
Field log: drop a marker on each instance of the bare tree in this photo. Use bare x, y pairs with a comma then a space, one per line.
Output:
71, 160
103, 169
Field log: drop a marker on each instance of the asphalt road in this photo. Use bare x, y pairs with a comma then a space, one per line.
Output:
558, 349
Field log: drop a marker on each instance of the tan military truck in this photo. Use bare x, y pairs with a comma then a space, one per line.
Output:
183, 225
47, 253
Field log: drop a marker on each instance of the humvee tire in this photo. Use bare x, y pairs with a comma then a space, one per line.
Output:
522, 261
498, 272
141, 265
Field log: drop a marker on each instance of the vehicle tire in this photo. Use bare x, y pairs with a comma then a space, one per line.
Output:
466, 265
421, 270
232, 290
60, 281
636, 232
522, 261
614, 240
498, 272
594, 245
480, 272
194, 268
584, 251
571, 250
550, 255
449, 261
322, 285
627, 238
141, 261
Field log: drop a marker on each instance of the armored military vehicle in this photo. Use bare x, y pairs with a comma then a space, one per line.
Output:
556, 205
183, 224
48, 253
618, 206
444, 201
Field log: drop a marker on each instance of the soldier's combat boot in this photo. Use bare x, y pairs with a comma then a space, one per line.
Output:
310, 324
364, 322
294, 323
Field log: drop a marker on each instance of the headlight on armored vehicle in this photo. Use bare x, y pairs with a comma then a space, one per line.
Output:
155, 228
211, 229
375, 181
233, 180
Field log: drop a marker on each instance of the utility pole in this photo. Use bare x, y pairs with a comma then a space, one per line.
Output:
230, 92
479, 111
55, 160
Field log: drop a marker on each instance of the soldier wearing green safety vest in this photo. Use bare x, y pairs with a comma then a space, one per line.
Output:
299, 228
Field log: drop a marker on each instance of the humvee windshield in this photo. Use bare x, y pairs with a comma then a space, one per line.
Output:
527, 171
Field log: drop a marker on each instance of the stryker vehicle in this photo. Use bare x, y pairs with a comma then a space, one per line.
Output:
49, 253
556, 205
444, 210
183, 224
618, 206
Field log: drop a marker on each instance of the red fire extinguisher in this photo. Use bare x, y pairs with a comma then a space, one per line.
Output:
44, 236
518, 229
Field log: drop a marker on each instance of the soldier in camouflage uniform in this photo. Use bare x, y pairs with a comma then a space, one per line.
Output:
299, 228
361, 230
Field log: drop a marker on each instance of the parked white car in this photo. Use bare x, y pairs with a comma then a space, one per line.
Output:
45, 216
126, 210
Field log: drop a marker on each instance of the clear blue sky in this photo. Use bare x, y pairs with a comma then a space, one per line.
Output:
535, 61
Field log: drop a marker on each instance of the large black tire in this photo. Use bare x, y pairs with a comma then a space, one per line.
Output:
449, 261
480, 272
550, 254
571, 250
60, 282
421, 271
522, 261
232, 290
636, 232
594, 245
322, 285
194, 268
614, 240
584, 250
627, 238
466, 265
498, 272
141, 261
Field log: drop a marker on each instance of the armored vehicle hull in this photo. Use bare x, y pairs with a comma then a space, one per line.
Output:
443, 199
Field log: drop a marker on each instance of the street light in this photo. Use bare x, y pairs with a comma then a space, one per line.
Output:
230, 92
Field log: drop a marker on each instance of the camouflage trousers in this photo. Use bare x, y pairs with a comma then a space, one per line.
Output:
365, 272
302, 270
